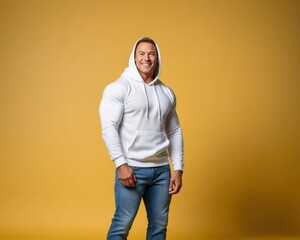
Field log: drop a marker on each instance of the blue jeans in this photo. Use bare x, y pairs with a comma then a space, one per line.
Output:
152, 186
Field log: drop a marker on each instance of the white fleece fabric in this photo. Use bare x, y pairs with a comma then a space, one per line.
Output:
139, 122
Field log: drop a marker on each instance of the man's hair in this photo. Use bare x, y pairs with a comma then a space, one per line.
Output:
148, 40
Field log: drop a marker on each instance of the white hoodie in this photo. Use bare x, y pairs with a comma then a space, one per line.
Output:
139, 121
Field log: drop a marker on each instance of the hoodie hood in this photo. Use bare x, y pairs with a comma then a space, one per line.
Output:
132, 72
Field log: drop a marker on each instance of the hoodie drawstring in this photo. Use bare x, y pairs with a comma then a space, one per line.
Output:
147, 102
158, 104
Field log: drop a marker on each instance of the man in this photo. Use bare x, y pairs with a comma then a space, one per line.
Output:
141, 131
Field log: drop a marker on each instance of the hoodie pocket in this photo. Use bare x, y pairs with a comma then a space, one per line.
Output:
147, 143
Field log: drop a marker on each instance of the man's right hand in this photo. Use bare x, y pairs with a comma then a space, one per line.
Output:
126, 175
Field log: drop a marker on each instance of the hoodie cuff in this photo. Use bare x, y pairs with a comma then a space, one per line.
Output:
178, 166
120, 161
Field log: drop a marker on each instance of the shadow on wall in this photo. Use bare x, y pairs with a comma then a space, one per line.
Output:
250, 192
267, 203
261, 214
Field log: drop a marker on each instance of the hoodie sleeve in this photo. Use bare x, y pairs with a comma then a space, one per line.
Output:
111, 112
174, 134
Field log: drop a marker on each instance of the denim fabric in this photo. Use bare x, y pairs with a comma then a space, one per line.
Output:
152, 186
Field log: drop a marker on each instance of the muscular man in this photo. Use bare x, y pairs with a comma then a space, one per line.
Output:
141, 131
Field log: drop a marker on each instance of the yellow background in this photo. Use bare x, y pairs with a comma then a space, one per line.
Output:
235, 68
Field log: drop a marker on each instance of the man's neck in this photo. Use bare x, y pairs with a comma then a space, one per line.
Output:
147, 78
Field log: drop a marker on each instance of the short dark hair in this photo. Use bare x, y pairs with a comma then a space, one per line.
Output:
148, 40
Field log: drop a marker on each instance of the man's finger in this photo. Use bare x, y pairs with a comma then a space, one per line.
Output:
171, 185
131, 183
174, 190
134, 178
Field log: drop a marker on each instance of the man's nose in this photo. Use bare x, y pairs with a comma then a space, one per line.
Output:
146, 56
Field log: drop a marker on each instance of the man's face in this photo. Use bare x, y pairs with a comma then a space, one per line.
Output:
146, 59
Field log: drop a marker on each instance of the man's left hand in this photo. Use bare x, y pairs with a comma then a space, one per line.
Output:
175, 182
